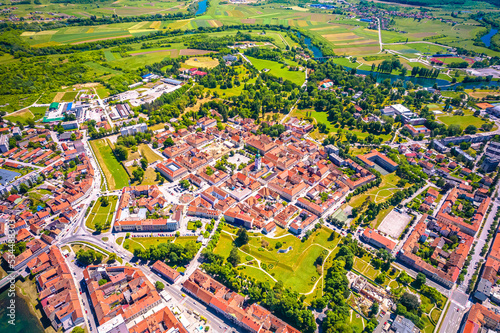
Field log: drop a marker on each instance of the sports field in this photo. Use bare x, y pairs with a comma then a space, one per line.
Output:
101, 214
200, 62
464, 121
115, 174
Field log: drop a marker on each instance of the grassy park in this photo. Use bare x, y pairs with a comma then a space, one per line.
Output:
296, 268
279, 70
145, 242
115, 174
467, 119
102, 214
378, 194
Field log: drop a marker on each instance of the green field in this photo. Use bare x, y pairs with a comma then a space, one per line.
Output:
101, 214
146, 242
378, 194
295, 268
148, 153
35, 113
114, 172
322, 117
279, 70
464, 121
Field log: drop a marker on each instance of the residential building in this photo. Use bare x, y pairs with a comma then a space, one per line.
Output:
171, 170
372, 237
377, 157
232, 306
167, 272
134, 129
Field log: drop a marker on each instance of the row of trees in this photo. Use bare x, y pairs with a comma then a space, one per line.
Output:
172, 253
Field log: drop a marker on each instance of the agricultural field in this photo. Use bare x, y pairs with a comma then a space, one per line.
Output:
106, 7
116, 176
102, 214
34, 113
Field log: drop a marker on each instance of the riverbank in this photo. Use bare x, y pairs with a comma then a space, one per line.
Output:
29, 316
26, 289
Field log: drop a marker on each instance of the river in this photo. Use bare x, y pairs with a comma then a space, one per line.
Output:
424, 82
25, 320
486, 39
202, 7
315, 50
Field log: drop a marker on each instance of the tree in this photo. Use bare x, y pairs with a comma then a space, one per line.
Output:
86, 257
102, 282
420, 280
185, 184
209, 171
374, 309
78, 329
104, 201
410, 301
144, 163
121, 153
234, 258
169, 142
138, 174
112, 257
380, 278
159, 285
471, 129
242, 238
404, 278
23, 188
278, 245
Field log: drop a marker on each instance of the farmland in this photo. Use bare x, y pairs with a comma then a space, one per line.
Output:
34, 113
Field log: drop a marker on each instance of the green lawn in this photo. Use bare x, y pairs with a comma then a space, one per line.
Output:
224, 245
463, 121
100, 213
146, 242
69, 96
322, 117
295, 268
148, 153
114, 172
22, 116
378, 194
276, 69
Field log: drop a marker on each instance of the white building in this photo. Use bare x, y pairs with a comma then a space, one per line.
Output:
134, 129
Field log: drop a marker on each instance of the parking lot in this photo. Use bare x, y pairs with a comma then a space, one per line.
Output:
394, 223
